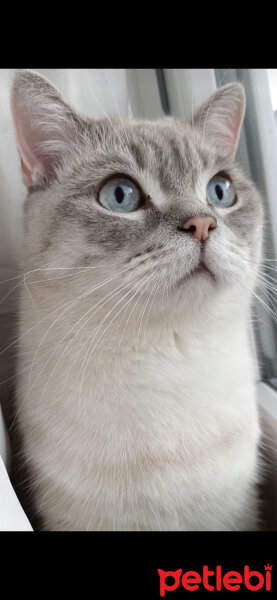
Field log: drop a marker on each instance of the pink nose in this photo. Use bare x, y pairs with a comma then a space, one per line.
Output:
199, 227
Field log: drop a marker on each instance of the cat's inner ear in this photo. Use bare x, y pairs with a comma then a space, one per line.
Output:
45, 126
221, 117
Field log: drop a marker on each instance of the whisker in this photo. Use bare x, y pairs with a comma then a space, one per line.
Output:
86, 360
228, 244
75, 301
192, 107
268, 309
107, 117
259, 273
140, 321
156, 287
29, 293
116, 105
130, 314
52, 313
101, 302
18, 372
21, 275
8, 294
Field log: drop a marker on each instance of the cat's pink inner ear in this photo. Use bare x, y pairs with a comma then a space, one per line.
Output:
45, 126
27, 174
32, 168
233, 124
236, 132
221, 118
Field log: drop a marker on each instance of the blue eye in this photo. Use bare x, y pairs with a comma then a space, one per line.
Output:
120, 195
220, 192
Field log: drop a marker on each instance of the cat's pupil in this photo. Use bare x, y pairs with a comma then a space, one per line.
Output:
119, 194
219, 192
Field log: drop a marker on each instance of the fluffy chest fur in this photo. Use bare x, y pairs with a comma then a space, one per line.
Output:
153, 436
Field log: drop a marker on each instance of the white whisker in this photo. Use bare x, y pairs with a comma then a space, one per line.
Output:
130, 314
86, 360
72, 304
116, 105
107, 117
92, 313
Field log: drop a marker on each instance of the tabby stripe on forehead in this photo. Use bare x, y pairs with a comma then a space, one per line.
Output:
167, 183
158, 149
176, 154
138, 155
171, 161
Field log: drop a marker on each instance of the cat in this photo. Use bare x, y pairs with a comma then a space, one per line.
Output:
136, 382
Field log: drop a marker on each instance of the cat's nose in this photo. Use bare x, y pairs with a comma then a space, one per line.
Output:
199, 226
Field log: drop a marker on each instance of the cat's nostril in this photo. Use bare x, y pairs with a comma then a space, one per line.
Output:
191, 229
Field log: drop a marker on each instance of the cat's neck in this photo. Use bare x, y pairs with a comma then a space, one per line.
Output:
221, 323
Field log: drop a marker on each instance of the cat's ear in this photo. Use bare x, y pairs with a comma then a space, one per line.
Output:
45, 126
221, 117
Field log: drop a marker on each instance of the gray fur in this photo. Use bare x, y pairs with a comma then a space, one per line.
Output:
167, 161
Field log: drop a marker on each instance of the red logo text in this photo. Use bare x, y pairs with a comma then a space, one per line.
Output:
215, 581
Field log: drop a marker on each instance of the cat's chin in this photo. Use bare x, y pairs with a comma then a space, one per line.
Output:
196, 274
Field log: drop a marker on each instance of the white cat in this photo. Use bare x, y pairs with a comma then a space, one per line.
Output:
136, 396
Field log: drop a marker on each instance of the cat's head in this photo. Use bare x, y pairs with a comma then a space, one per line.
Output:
159, 208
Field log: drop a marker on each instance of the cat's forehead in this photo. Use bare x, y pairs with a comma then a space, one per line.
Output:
168, 150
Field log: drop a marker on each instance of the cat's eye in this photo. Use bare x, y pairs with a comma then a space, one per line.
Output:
220, 192
120, 194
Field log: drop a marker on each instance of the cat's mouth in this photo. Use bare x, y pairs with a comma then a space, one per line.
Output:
201, 269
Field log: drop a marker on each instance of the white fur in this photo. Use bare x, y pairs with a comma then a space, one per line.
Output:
163, 438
